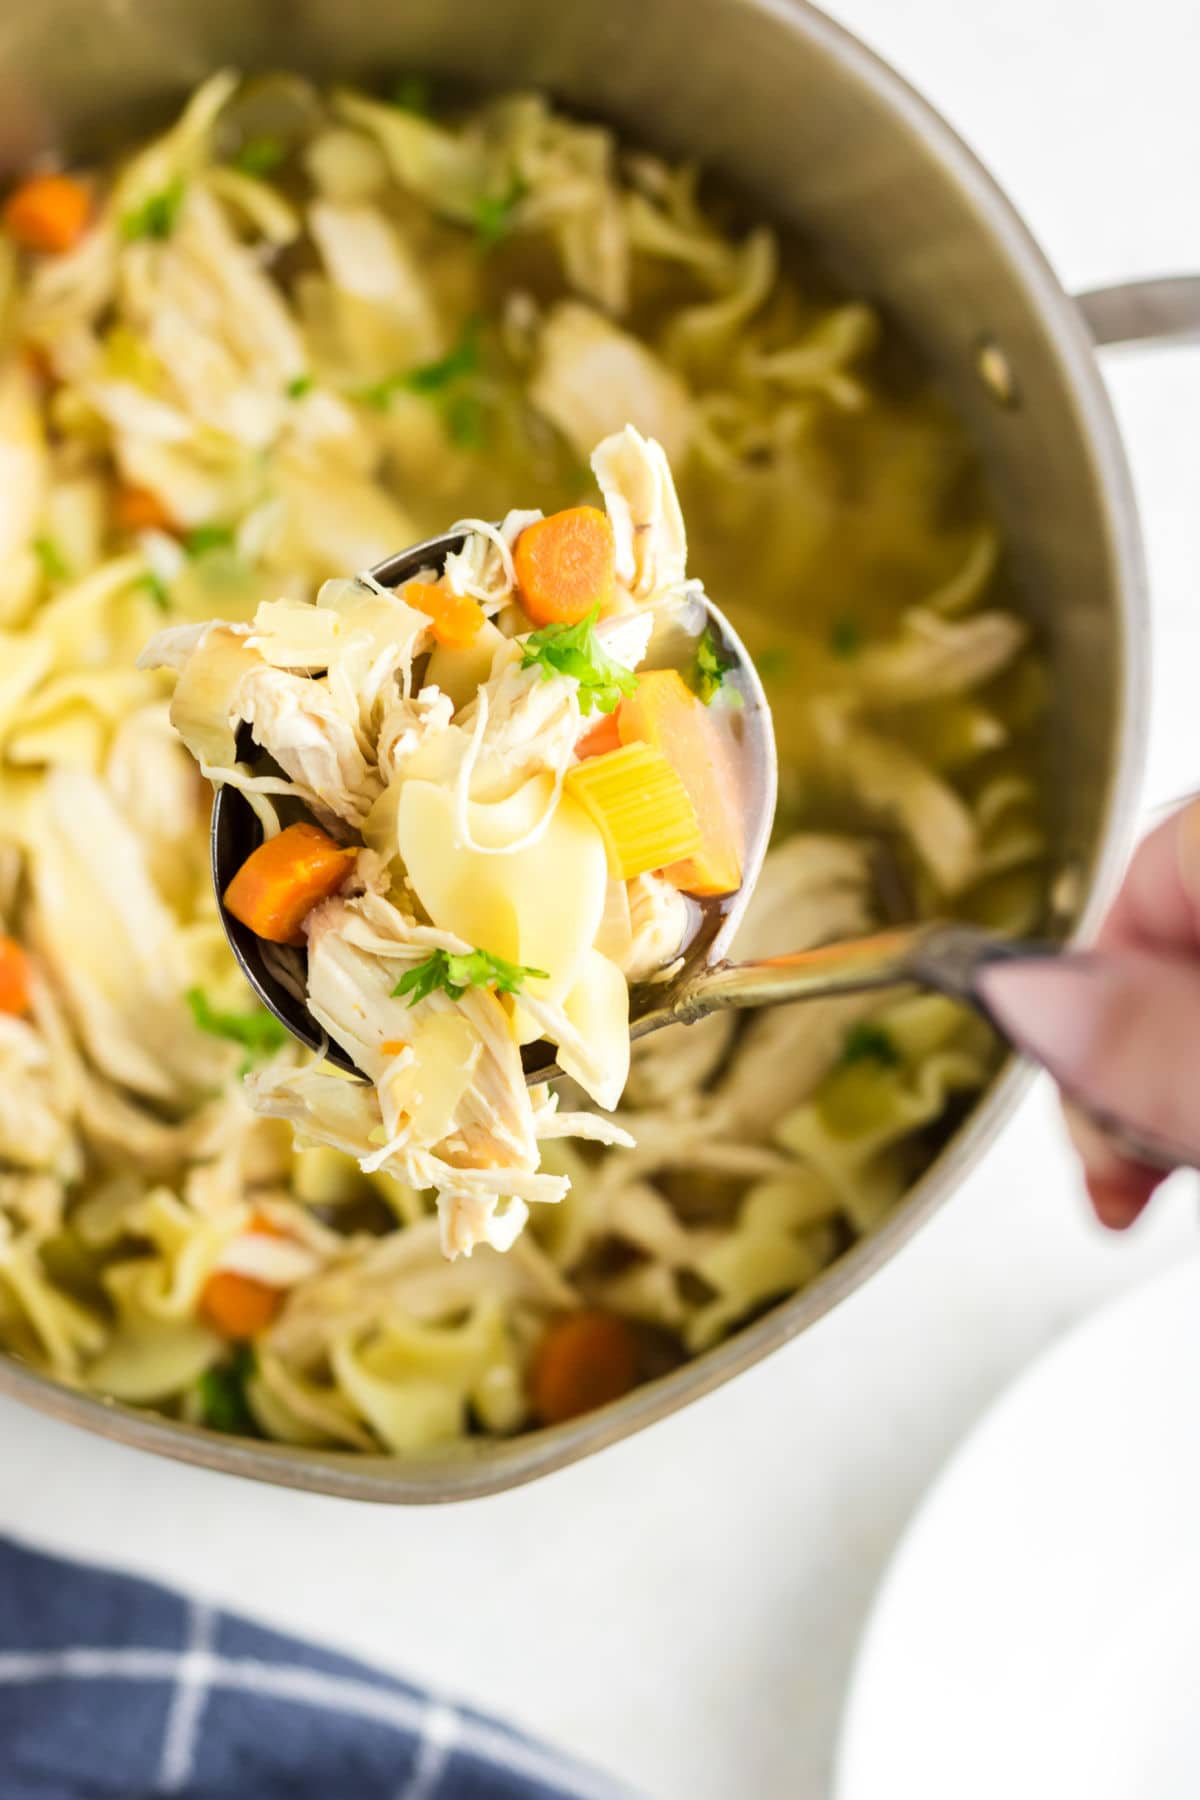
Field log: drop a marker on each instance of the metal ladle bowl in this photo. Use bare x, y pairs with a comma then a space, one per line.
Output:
236, 833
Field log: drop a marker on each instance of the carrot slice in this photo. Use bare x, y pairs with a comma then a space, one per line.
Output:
279, 883
456, 617
564, 566
138, 509
238, 1306
666, 714
14, 977
584, 1360
600, 738
47, 212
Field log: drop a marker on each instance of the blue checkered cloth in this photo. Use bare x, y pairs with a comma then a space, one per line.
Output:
114, 1687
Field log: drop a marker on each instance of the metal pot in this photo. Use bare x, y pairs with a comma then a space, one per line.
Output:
820, 133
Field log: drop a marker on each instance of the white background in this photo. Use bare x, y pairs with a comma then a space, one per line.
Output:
684, 1608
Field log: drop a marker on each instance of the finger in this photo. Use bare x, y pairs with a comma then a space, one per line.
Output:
1158, 906
1118, 1187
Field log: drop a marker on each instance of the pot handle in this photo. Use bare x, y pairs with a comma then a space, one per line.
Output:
1165, 310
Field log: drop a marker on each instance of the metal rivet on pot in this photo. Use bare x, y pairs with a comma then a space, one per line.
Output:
995, 371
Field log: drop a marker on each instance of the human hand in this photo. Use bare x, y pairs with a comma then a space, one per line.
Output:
1157, 909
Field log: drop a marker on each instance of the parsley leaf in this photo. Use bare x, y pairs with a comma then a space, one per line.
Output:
298, 386
54, 563
157, 216
576, 650
455, 974
870, 1043
260, 155
710, 667
259, 1032
845, 637
428, 378
222, 1392
156, 587
465, 421
493, 213
414, 94
203, 538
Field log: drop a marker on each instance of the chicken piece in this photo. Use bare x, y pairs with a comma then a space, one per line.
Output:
593, 379
659, 918
304, 729
648, 529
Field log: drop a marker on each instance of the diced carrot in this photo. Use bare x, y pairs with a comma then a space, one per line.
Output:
14, 977
564, 566
236, 1305
456, 617
138, 509
584, 1360
393, 1046
600, 738
279, 883
665, 713
47, 212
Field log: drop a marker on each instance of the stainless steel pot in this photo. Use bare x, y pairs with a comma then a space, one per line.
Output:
820, 133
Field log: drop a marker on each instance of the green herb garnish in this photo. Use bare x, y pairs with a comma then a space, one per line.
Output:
455, 974
711, 666
464, 418
774, 662
845, 637
576, 650
203, 538
222, 1392
258, 1032
428, 378
298, 386
414, 94
54, 564
260, 155
156, 587
493, 213
870, 1043
157, 216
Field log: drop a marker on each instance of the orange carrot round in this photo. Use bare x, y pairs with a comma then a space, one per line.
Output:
14, 977
584, 1360
48, 213
564, 566
279, 883
665, 713
138, 509
238, 1306
456, 617
600, 738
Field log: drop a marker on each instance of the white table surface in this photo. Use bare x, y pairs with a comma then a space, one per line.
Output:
684, 1608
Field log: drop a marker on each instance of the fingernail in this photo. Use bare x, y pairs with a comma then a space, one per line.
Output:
1116, 1204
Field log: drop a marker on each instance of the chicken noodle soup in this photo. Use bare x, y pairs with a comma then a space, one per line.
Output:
294, 333
496, 765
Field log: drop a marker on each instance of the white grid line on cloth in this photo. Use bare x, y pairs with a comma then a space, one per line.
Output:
310, 1687
183, 1720
439, 1733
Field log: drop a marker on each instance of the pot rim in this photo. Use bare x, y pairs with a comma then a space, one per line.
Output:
478, 1467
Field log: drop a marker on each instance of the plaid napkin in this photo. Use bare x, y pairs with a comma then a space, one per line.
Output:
110, 1686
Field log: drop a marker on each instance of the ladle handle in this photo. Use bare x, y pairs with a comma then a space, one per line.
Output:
946, 957
1089, 1017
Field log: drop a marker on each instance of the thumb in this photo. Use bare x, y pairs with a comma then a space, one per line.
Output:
1145, 1042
